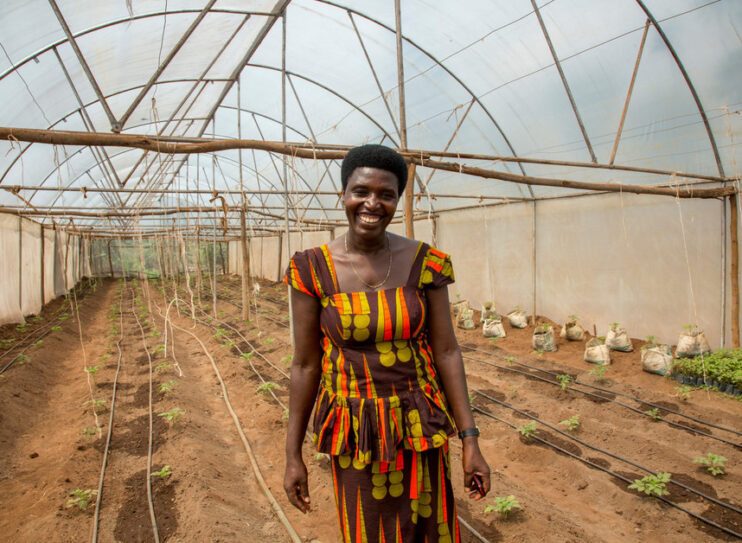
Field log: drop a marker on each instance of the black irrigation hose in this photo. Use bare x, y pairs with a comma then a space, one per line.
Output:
603, 398
106, 449
150, 502
617, 393
603, 451
614, 474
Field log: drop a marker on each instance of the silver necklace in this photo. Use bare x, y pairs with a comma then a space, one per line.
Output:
388, 272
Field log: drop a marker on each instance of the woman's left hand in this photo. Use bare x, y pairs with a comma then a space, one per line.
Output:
474, 463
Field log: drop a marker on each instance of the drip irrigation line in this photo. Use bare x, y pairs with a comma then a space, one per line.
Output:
603, 451
603, 398
253, 460
608, 471
617, 393
106, 449
150, 503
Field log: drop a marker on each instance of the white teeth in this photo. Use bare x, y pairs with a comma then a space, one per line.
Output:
370, 219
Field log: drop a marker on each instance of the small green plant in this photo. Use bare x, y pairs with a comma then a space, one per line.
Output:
285, 415
529, 430
714, 463
172, 416
652, 485
654, 413
163, 366
39, 342
287, 359
268, 341
21, 359
92, 370
564, 380
81, 498
510, 359
96, 404
266, 387
219, 333
90, 431
494, 340
572, 423
164, 473
615, 325
56, 328
598, 372
573, 318
248, 356
22, 327
6, 342
164, 388
155, 332
105, 357
229, 344
538, 352
503, 506
684, 391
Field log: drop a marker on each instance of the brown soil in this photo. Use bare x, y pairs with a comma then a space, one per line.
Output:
213, 495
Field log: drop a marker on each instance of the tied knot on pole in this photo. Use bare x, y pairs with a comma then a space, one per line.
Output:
84, 191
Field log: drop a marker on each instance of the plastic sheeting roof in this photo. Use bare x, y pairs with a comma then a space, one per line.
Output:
479, 77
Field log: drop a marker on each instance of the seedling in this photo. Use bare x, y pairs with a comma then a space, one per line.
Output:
266, 387
21, 359
598, 373
172, 416
6, 342
92, 370
494, 340
36, 344
652, 485
510, 359
713, 462
22, 327
471, 399
155, 333
268, 341
164, 473
55, 328
81, 498
97, 404
105, 357
287, 359
285, 415
529, 430
162, 366
572, 318
219, 333
684, 391
654, 413
503, 506
229, 344
90, 431
615, 325
164, 388
564, 380
538, 352
572, 423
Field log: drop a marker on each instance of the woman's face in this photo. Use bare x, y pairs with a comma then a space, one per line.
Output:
370, 199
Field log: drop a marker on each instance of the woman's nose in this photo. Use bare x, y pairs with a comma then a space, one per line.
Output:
372, 201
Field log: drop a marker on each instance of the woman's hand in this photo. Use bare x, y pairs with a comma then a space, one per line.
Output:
474, 463
295, 484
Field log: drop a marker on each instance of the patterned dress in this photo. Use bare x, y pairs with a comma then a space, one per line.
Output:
381, 413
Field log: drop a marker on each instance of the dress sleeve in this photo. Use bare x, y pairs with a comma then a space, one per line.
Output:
301, 275
437, 270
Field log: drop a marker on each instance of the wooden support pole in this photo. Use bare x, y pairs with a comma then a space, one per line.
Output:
628, 94
199, 284
245, 268
409, 200
20, 264
110, 260
280, 250
733, 227
43, 258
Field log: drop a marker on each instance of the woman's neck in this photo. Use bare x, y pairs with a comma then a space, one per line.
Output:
368, 246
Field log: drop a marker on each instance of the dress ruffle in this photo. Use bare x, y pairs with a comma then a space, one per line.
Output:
374, 429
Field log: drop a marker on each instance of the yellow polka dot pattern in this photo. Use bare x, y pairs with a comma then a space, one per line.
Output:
391, 351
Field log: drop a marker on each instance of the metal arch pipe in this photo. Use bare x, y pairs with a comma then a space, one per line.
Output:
688, 82
440, 65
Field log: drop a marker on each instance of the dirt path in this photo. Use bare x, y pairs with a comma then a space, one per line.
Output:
212, 494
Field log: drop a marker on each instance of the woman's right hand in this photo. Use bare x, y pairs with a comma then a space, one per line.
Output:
295, 484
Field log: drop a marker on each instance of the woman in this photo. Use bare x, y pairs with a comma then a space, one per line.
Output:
373, 333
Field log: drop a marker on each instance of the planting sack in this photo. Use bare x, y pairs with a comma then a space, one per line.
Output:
692, 343
517, 319
573, 331
489, 313
657, 359
465, 319
459, 306
493, 328
618, 339
596, 352
544, 339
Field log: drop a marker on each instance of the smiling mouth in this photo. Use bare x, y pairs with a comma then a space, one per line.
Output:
369, 219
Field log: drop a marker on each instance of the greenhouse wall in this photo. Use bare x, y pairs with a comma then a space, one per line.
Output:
23, 255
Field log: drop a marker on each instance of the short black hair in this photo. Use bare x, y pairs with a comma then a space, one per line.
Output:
374, 156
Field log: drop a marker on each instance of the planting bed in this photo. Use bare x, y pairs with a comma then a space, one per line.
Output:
570, 490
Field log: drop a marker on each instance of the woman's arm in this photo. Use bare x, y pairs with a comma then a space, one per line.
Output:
305, 373
447, 356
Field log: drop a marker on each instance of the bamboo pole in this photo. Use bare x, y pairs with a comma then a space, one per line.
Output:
409, 200
110, 260
158, 145
199, 284
43, 258
733, 226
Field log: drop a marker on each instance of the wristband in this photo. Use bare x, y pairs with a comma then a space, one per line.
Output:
469, 432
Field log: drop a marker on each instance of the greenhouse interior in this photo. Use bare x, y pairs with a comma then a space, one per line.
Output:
161, 162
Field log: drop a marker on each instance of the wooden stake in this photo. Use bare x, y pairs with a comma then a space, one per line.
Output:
110, 260
199, 285
43, 258
245, 268
280, 250
733, 225
409, 201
